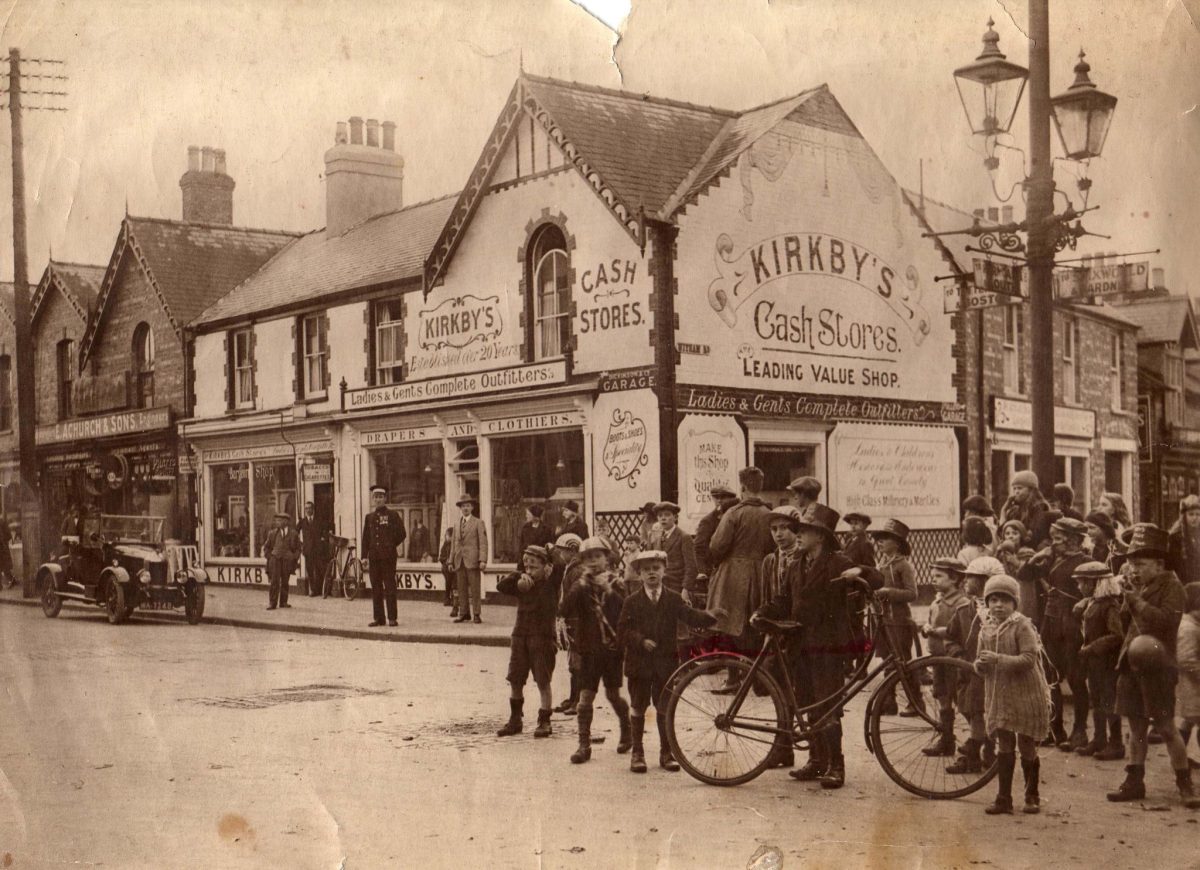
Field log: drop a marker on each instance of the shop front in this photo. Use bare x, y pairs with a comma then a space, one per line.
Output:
125, 463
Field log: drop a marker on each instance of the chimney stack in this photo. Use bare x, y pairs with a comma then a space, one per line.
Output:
363, 179
207, 189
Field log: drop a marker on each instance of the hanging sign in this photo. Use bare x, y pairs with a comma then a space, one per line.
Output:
1102, 280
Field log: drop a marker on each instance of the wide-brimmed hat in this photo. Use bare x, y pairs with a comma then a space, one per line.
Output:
666, 506
985, 566
787, 512
1147, 539
1002, 584
466, 499
535, 550
806, 484
568, 541
856, 517
977, 504
595, 542
722, 491
824, 519
950, 565
894, 529
647, 556
1070, 526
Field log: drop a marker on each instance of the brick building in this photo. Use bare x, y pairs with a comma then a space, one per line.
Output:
10, 472
111, 365
1095, 387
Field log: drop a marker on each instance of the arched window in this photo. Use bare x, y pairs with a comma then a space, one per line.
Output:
143, 366
550, 289
65, 358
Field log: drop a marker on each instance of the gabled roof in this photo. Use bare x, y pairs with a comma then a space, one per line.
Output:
1162, 320
385, 249
188, 265
937, 217
645, 157
79, 283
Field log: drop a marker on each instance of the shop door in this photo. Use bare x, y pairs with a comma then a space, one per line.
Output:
783, 463
322, 499
465, 465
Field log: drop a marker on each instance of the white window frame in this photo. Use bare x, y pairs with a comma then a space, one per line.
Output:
1011, 349
1070, 353
243, 368
552, 259
1116, 370
393, 330
314, 347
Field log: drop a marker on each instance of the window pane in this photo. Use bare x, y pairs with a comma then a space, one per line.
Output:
274, 492
781, 464
542, 469
552, 298
414, 477
230, 520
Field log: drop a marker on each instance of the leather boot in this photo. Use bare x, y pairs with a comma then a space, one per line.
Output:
1099, 735
945, 744
584, 720
637, 761
544, 729
513, 725
817, 762
666, 758
835, 774
1114, 749
1134, 786
625, 741
1187, 793
987, 753
1002, 805
1032, 768
969, 761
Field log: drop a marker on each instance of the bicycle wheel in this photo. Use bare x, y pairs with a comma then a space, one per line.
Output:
722, 752
898, 742
351, 578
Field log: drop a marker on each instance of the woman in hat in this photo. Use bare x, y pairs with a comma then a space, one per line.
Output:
858, 547
899, 589
1026, 503
1184, 549
572, 522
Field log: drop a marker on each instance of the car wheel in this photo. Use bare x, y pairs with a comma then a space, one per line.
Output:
51, 603
115, 603
193, 605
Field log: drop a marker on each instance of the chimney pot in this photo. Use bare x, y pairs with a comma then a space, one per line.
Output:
373, 132
193, 158
1159, 276
356, 130
389, 136
219, 161
341, 136
207, 189
206, 154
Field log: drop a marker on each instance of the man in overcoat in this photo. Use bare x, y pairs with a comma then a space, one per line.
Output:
742, 539
723, 499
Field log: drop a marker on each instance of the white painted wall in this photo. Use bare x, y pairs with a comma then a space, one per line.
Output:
209, 368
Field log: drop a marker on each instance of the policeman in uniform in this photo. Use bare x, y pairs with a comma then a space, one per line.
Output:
383, 533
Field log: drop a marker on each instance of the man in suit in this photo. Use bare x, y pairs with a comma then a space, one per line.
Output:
383, 535
282, 549
314, 534
468, 556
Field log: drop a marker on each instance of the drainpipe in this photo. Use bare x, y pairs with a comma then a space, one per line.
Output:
662, 271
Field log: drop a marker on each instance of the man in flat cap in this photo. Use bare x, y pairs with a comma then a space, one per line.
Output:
723, 498
282, 549
383, 534
805, 491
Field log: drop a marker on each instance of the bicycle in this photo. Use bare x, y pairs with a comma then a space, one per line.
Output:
728, 740
344, 570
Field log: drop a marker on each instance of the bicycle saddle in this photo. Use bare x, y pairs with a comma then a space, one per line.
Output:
776, 626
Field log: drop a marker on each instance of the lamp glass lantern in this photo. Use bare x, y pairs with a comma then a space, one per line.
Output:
990, 88
1082, 115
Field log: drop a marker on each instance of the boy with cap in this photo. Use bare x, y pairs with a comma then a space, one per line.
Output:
648, 626
1153, 604
1098, 613
383, 533
594, 601
677, 544
805, 491
951, 610
532, 647
567, 568
282, 549
858, 547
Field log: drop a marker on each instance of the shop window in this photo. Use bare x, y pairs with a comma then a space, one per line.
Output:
65, 360
1013, 350
546, 469
1116, 472
314, 348
414, 476
241, 369
143, 366
781, 464
245, 498
1116, 369
6, 393
550, 289
1070, 382
389, 342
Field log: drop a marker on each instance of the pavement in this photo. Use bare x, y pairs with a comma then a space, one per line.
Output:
245, 607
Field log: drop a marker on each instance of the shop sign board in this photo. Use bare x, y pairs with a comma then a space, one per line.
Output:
1102, 280
531, 423
627, 379
625, 450
318, 472
266, 451
906, 472
399, 436
474, 383
828, 409
108, 426
1006, 279
712, 449
1018, 416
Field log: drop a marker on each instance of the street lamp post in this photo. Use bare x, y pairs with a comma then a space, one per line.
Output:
990, 90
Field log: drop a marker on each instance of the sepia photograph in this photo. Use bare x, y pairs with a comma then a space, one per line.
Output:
590, 434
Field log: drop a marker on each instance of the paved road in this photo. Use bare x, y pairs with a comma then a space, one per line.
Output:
161, 745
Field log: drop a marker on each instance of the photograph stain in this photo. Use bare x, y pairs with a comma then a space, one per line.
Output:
234, 829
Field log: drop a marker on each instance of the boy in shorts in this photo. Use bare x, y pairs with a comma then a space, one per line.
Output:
532, 648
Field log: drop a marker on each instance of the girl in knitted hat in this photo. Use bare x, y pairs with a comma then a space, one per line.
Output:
1016, 696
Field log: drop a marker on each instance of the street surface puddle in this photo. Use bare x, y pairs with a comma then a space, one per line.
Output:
289, 695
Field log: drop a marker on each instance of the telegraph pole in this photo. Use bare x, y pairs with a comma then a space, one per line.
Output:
31, 548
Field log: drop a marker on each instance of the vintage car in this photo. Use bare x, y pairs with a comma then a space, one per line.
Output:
121, 564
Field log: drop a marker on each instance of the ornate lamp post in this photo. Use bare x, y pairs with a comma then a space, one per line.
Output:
990, 90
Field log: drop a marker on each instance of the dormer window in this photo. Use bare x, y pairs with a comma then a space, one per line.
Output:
550, 289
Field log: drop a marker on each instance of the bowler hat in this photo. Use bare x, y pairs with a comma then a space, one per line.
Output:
824, 519
788, 512
808, 485
894, 529
666, 506
1147, 539
282, 516
648, 555
466, 499
536, 551
977, 504
856, 517
722, 491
